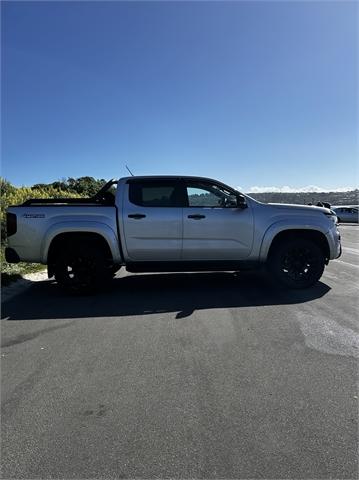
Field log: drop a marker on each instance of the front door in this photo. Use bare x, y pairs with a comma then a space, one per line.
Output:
213, 227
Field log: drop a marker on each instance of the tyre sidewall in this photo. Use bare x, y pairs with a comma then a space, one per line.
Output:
87, 252
275, 263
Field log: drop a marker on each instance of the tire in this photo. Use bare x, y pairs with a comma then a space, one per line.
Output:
113, 270
81, 268
296, 263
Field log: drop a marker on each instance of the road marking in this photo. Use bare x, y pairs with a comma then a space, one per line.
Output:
346, 263
351, 250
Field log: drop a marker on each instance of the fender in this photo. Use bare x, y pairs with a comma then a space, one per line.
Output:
281, 226
87, 226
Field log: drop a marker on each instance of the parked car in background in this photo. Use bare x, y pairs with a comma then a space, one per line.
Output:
347, 213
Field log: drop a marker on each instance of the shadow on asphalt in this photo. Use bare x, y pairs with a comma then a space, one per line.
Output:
143, 294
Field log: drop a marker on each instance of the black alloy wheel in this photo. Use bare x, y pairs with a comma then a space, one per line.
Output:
81, 269
297, 263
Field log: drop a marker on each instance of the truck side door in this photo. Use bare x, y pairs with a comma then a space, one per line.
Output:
213, 228
152, 220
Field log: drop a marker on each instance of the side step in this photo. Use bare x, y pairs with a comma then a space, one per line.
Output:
189, 266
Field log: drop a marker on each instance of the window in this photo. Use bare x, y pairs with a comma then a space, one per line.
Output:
209, 195
154, 194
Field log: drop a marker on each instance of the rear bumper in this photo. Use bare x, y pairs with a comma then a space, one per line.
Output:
11, 256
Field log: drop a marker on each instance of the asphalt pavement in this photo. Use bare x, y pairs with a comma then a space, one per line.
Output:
194, 375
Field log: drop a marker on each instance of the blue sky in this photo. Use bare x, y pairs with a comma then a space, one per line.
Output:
251, 93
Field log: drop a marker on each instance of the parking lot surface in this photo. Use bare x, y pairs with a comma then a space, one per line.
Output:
194, 375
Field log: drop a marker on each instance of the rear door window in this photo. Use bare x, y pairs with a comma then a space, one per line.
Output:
155, 193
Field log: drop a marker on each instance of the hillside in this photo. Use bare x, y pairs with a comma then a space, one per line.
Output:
334, 198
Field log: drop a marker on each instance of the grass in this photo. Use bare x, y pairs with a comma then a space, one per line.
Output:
11, 272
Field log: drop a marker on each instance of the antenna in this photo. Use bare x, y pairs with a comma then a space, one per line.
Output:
129, 170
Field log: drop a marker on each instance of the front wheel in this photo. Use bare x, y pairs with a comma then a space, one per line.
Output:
296, 263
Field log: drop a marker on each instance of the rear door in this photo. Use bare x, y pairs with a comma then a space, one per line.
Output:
152, 220
213, 227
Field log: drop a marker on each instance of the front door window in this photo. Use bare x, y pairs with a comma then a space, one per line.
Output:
209, 196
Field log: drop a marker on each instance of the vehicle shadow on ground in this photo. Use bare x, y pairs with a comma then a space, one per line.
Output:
143, 294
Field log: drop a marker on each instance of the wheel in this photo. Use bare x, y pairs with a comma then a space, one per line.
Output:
297, 263
81, 268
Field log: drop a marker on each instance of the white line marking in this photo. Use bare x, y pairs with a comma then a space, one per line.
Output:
351, 250
346, 263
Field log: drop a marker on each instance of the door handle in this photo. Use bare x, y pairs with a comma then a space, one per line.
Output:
196, 217
136, 216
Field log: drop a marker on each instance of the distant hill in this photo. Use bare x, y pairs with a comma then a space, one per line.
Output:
303, 198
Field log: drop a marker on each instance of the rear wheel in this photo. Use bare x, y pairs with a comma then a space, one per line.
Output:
297, 263
81, 269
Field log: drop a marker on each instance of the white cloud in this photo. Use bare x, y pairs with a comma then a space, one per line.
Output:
287, 189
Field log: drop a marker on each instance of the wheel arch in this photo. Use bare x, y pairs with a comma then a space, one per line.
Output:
103, 237
316, 236
281, 231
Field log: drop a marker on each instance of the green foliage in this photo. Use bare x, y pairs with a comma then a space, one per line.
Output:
83, 186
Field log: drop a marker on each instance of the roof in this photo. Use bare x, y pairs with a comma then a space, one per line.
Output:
177, 177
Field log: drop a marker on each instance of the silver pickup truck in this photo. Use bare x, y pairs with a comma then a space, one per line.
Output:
170, 223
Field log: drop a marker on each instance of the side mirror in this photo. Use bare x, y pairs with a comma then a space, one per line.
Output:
241, 202
231, 201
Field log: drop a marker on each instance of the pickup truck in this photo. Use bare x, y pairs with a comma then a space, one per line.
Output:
170, 224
